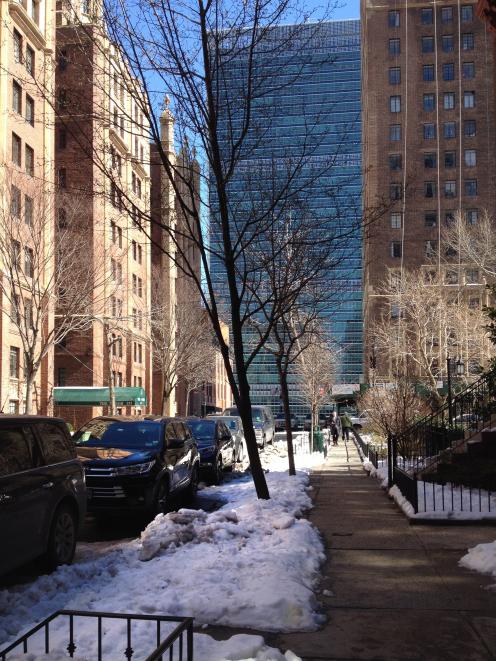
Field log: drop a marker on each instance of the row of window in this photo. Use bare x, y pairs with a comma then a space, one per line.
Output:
17, 105
429, 101
468, 72
427, 15
15, 311
16, 252
116, 236
430, 159
430, 218
429, 130
430, 189
27, 58
467, 42
16, 206
449, 101
431, 250
17, 155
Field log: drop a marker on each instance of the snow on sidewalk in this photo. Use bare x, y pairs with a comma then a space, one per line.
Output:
481, 558
251, 564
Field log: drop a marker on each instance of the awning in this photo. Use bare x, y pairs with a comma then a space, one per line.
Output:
73, 396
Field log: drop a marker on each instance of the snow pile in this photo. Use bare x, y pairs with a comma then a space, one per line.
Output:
481, 558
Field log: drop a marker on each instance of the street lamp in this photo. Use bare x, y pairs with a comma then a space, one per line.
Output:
459, 371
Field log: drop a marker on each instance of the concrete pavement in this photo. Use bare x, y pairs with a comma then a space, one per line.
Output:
391, 591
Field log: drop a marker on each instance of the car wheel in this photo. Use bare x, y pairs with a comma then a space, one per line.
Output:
192, 489
218, 473
62, 539
161, 500
230, 468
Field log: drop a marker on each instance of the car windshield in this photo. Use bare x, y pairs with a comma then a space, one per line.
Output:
120, 434
256, 414
203, 430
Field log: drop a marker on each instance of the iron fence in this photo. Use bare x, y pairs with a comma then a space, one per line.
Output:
178, 643
449, 497
376, 455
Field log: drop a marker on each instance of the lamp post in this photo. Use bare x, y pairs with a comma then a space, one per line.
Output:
459, 371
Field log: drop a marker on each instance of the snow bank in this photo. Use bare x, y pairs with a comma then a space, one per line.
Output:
481, 558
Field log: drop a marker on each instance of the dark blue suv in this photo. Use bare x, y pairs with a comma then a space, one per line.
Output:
137, 462
216, 445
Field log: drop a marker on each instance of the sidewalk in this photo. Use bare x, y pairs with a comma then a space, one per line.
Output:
394, 591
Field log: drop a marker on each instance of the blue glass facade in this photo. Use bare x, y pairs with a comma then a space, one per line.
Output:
315, 98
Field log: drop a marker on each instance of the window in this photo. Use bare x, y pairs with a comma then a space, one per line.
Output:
63, 60
16, 150
135, 284
449, 101
426, 16
429, 189
138, 184
395, 132
28, 262
430, 248
469, 128
471, 187
394, 47
29, 154
395, 103
430, 219
429, 131
449, 159
395, 221
395, 249
17, 46
472, 216
466, 13
30, 60
61, 377
16, 97
449, 188
474, 303
472, 276
16, 253
469, 99
395, 191
56, 445
468, 41
15, 310
395, 161
448, 43
29, 110
394, 19
28, 312
451, 277
446, 14
449, 218
62, 99
62, 138
449, 71
35, 11
470, 158
28, 210
427, 44
140, 254
394, 76
62, 178
14, 362
15, 202
138, 352
449, 130
429, 102
468, 70
428, 72
430, 160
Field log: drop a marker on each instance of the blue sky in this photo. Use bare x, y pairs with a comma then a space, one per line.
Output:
347, 9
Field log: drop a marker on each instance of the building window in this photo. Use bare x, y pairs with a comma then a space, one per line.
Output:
16, 150
28, 262
470, 158
63, 60
394, 76
394, 47
428, 72
14, 362
469, 99
430, 248
17, 46
429, 102
429, 131
61, 377
449, 71
470, 187
395, 132
15, 248
430, 160
62, 99
468, 41
29, 110
472, 216
395, 249
474, 302
62, 138
449, 188
395, 191
395, 161
466, 13
427, 44
446, 14
449, 130
395, 103
29, 155
394, 19
449, 101
396, 221
468, 70
472, 276
426, 15
449, 218
451, 277
28, 210
30, 60
449, 159
430, 219
448, 43
15, 202
16, 97
62, 178
469, 128
429, 189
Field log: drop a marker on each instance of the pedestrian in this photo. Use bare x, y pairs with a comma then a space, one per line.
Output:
335, 427
346, 425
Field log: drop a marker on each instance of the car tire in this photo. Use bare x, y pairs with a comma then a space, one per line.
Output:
230, 468
192, 488
161, 497
62, 538
218, 472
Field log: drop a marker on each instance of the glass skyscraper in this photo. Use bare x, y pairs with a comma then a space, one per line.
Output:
319, 88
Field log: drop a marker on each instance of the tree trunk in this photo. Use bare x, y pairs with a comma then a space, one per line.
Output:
283, 381
29, 392
165, 399
187, 402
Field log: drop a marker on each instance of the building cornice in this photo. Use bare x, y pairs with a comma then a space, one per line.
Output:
27, 25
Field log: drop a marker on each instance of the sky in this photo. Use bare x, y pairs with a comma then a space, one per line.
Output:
347, 9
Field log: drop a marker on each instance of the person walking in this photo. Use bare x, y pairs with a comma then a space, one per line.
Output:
346, 425
335, 426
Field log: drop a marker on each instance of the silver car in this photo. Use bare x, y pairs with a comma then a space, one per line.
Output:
233, 422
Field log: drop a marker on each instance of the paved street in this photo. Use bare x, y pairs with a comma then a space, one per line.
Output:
393, 591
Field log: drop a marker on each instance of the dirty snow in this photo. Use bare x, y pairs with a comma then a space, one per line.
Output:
481, 558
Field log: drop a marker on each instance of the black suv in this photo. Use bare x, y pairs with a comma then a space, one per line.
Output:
42, 491
137, 462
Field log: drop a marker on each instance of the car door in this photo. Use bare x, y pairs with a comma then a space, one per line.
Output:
185, 455
172, 454
226, 443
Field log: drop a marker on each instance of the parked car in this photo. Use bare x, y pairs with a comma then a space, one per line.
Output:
216, 446
263, 423
42, 492
322, 421
235, 426
137, 463
280, 422
360, 420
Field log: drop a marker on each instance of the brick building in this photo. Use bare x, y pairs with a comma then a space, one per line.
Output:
428, 104
27, 36
102, 158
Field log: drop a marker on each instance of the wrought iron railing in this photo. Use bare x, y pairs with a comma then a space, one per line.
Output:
376, 455
178, 643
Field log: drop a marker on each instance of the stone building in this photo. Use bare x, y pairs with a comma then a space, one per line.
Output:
428, 108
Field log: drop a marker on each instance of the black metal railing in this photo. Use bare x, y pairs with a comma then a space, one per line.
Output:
178, 643
449, 497
376, 455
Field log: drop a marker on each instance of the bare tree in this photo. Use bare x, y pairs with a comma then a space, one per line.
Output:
473, 241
